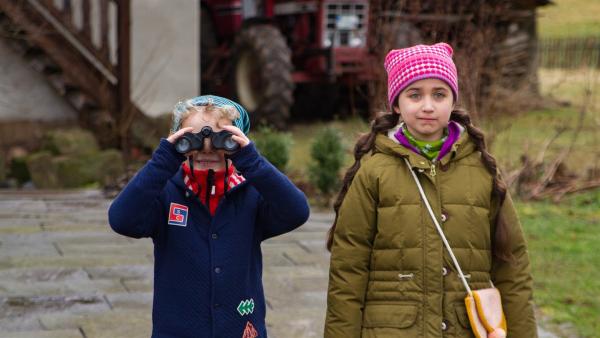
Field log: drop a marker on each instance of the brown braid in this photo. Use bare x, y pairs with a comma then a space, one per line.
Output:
365, 144
382, 124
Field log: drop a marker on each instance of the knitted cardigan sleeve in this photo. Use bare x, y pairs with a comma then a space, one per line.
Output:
137, 211
282, 206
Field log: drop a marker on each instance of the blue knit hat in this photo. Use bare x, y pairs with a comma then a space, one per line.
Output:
243, 122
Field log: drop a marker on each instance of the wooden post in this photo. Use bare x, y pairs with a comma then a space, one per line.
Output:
104, 45
124, 110
87, 22
67, 12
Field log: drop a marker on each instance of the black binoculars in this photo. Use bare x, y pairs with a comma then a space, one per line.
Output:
219, 140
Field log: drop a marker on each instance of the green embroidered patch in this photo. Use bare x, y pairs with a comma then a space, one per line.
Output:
246, 307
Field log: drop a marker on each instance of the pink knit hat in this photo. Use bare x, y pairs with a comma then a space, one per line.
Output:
407, 65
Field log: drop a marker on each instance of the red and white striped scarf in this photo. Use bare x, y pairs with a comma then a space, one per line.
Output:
198, 183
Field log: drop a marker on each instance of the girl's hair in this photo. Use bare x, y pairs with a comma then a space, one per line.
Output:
184, 109
366, 144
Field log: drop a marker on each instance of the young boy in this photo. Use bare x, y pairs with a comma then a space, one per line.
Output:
207, 218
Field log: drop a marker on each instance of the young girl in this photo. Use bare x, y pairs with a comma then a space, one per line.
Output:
207, 218
390, 275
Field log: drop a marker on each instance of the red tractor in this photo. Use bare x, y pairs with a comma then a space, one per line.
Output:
257, 51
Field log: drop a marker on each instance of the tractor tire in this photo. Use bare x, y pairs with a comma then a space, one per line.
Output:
208, 45
261, 75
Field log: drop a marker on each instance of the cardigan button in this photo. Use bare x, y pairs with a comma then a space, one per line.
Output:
217, 270
214, 236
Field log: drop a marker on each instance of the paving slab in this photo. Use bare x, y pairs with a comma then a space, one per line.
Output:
64, 273
74, 333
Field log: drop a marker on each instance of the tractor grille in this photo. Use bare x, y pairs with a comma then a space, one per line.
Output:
345, 24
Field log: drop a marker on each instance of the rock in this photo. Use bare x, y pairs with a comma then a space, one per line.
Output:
71, 159
79, 170
70, 142
75, 170
42, 170
111, 167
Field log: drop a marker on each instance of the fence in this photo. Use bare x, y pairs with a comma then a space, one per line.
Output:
569, 52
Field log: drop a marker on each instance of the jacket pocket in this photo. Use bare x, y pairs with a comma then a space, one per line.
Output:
390, 315
463, 326
462, 316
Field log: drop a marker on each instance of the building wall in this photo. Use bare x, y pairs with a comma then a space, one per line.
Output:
164, 53
25, 94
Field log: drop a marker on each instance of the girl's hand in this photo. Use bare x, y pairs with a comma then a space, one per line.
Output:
173, 137
238, 135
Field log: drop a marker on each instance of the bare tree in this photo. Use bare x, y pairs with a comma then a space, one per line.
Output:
491, 41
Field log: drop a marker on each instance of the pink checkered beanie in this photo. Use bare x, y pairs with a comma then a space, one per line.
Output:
407, 65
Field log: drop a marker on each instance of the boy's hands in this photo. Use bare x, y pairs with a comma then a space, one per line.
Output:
173, 137
238, 135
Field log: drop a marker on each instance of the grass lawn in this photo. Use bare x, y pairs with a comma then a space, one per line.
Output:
570, 84
563, 245
530, 131
528, 134
569, 18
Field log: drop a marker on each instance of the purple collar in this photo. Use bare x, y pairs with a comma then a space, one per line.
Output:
453, 135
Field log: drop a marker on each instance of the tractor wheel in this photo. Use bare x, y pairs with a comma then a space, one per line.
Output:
208, 44
261, 75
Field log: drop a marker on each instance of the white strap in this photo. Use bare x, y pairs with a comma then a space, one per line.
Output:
439, 228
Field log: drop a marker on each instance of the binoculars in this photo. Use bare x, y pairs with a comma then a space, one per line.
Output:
219, 140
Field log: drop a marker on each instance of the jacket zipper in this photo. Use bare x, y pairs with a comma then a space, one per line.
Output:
210, 181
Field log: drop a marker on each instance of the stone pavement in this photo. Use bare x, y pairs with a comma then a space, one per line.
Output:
65, 274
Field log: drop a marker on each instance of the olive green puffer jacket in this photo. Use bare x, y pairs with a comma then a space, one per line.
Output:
390, 275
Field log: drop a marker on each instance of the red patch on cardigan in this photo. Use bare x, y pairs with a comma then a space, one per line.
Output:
178, 214
250, 331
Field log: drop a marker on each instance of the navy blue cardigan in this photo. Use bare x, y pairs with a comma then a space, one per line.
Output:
207, 270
